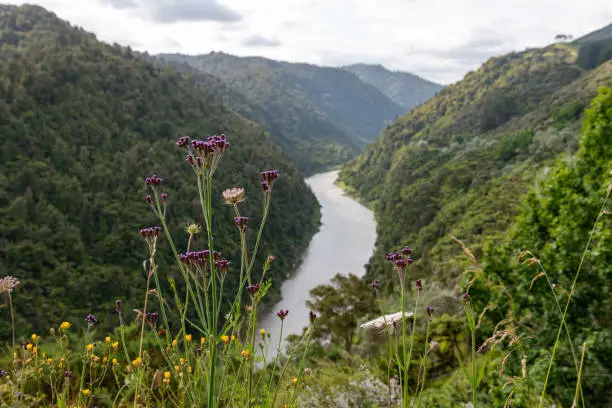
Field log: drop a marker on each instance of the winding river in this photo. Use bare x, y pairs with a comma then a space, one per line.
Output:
343, 244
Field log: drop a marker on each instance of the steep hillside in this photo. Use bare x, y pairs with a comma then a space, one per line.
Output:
595, 48
405, 89
357, 109
459, 163
311, 141
82, 124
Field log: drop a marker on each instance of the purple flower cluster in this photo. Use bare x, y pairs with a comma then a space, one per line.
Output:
150, 232
91, 319
267, 179
253, 289
312, 316
375, 284
153, 181
241, 223
2, 373
117, 305
429, 310
282, 314
204, 153
222, 265
400, 260
198, 258
419, 286
152, 318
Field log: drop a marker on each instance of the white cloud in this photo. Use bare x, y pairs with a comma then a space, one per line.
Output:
438, 39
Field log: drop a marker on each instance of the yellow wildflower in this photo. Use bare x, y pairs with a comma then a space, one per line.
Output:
49, 360
188, 338
92, 356
233, 338
35, 337
115, 361
107, 339
225, 339
167, 375
136, 362
245, 353
294, 381
128, 368
29, 347
262, 332
65, 325
116, 346
89, 347
104, 359
166, 381
174, 343
34, 350
85, 392
182, 360
177, 368
189, 369
202, 340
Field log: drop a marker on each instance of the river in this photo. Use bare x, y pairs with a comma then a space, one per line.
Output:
343, 244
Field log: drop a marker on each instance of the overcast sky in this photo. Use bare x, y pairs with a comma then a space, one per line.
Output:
440, 40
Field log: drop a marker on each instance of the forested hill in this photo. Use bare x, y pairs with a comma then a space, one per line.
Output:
310, 140
82, 124
354, 107
404, 88
460, 163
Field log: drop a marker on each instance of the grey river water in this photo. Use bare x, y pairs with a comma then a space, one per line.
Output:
344, 244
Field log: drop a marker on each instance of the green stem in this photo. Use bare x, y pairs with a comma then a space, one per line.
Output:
424, 363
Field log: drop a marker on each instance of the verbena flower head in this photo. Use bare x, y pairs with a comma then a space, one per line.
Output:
419, 286
198, 258
2, 373
241, 223
234, 195
406, 251
204, 155
267, 179
150, 232
183, 141
222, 265
154, 180
312, 316
117, 305
8, 284
282, 314
253, 289
429, 310
375, 284
149, 199
152, 318
90, 319
164, 197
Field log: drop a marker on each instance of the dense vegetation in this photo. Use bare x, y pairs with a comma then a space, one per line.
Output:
405, 89
82, 123
307, 104
460, 163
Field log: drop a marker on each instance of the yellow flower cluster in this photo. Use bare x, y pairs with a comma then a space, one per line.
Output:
65, 325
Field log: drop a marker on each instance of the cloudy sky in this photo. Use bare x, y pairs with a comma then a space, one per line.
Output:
440, 40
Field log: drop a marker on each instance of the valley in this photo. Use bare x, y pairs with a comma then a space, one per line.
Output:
210, 229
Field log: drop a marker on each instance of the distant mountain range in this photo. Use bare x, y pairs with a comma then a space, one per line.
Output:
405, 89
321, 116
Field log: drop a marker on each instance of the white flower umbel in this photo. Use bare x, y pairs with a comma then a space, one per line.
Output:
386, 321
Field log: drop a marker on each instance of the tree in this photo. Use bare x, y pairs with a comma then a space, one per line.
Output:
340, 305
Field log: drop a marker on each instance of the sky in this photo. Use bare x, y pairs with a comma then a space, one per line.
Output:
440, 40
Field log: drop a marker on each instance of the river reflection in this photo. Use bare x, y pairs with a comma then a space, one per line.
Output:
344, 244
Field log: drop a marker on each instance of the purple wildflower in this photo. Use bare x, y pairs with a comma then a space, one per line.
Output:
241, 223
222, 265
312, 316
253, 289
419, 285
2, 373
118, 306
68, 374
152, 318
183, 141
153, 180
164, 197
407, 251
149, 199
375, 284
91, 319
269, 176
282, 314
429, 310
